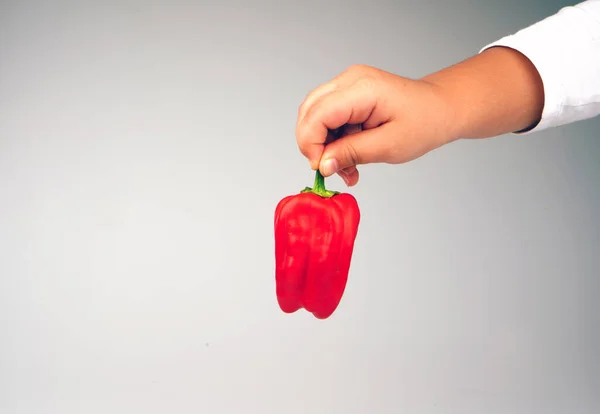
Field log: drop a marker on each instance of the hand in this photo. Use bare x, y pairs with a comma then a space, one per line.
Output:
385, 118
378, 117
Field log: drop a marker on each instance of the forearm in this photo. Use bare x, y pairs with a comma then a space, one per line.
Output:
496, 92
501, 91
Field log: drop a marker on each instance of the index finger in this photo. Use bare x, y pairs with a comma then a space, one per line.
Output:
340, 81
351, 105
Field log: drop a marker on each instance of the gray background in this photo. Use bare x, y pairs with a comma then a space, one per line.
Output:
143, 148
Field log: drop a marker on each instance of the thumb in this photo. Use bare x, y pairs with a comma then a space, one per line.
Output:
365, 147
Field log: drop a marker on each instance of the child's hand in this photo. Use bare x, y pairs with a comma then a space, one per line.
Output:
401, 119
385, 118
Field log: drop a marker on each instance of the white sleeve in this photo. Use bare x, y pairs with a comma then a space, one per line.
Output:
565, 49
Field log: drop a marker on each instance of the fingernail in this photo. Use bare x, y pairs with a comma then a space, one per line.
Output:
329, 167
344, 177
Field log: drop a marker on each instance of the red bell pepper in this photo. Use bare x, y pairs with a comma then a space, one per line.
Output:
315, 232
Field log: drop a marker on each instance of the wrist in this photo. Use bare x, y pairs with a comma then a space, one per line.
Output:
446, 111
495, 92
454, 102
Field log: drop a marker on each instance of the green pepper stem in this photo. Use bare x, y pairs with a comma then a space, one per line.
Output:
319, 182
319, 187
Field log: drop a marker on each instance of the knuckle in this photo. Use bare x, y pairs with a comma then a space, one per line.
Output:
308, 100
358, 68
352, 154
302, 107
366, 82
318, 111
308, 119
314, 99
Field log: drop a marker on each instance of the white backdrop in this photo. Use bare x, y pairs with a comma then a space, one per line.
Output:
143, 149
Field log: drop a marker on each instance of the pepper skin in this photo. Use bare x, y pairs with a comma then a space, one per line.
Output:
315, 232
